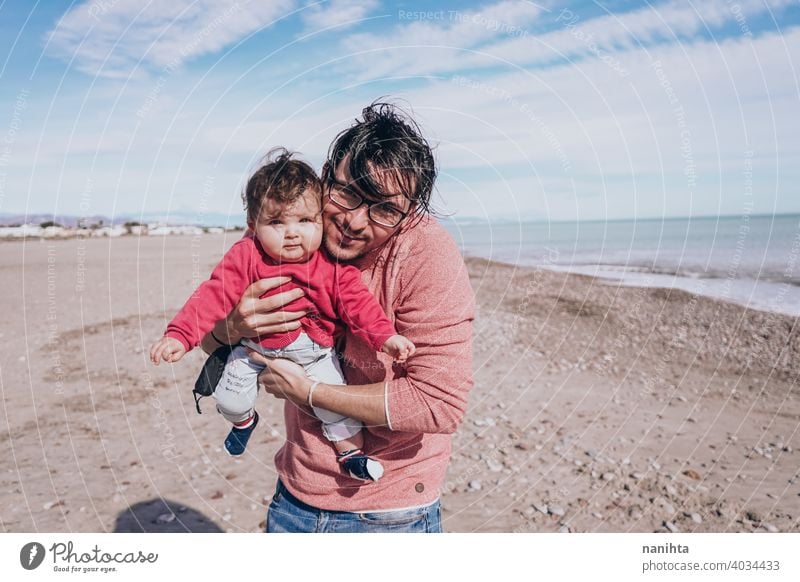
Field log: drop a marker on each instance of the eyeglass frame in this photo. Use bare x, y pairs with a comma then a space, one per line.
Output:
330, 180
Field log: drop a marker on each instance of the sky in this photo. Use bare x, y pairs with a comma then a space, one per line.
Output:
537, 111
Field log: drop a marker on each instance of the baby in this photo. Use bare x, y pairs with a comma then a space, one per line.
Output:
284, 213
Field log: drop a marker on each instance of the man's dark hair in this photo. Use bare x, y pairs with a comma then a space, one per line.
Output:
387, 144
280, 178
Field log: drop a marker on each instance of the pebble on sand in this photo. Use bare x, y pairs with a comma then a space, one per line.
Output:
541, 508
166, 518
692, 474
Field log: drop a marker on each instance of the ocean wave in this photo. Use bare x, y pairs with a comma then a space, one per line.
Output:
771, 276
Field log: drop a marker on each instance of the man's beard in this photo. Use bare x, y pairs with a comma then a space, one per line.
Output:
335, 253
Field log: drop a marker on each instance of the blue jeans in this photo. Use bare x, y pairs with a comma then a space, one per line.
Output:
287, 514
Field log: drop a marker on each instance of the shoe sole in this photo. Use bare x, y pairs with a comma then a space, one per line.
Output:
374, 470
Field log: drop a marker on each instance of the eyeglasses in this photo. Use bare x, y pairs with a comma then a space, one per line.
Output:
382, 213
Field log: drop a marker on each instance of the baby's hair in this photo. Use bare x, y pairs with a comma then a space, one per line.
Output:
280, 178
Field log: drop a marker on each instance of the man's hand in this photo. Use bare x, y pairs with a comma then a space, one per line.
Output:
288, 381
399, 347
168, 349
258, 317
283, 379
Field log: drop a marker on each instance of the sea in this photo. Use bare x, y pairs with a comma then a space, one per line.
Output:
752, 260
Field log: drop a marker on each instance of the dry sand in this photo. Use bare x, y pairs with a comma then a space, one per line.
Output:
595, 408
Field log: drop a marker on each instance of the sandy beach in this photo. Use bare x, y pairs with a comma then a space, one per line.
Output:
596, 408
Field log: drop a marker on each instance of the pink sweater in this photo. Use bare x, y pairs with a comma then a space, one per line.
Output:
333, 292
420, 280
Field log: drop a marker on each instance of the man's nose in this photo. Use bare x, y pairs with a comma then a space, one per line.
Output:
358, 219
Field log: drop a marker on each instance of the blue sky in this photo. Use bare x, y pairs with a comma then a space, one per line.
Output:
558, 111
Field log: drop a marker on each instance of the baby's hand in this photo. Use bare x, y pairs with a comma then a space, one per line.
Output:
168, 349
399, 347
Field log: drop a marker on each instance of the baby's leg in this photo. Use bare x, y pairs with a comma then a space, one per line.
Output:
237, 389
344, 432
236, 397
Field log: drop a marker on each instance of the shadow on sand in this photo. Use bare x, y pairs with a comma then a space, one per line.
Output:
163, 516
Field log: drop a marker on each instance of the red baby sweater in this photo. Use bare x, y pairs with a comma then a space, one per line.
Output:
333, 293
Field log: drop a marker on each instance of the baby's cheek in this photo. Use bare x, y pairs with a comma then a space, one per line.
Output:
316, 235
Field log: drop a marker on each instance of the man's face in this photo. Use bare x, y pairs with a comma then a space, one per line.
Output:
350, 234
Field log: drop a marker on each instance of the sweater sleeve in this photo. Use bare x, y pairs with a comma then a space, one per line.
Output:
435, 310
215, 298
359, 309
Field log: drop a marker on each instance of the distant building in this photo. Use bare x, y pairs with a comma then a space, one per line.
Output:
164, 230
135, 228
53, 231
111, 231
25, 230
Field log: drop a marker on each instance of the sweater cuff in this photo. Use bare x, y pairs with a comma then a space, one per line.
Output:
386, 405
380, 340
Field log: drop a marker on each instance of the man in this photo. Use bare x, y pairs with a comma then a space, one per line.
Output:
378, 182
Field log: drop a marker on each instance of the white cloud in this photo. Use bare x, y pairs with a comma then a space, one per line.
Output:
439, 47
112, 38
378, 55
337, 14
670, 23
623, 138
618, 136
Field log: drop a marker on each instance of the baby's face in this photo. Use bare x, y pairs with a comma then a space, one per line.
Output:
290, 233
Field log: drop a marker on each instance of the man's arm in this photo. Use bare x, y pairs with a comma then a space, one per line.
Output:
435, 309
287, 380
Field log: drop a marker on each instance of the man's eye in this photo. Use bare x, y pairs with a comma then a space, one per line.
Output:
350, 194
274, 222
387, 210
306, 220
